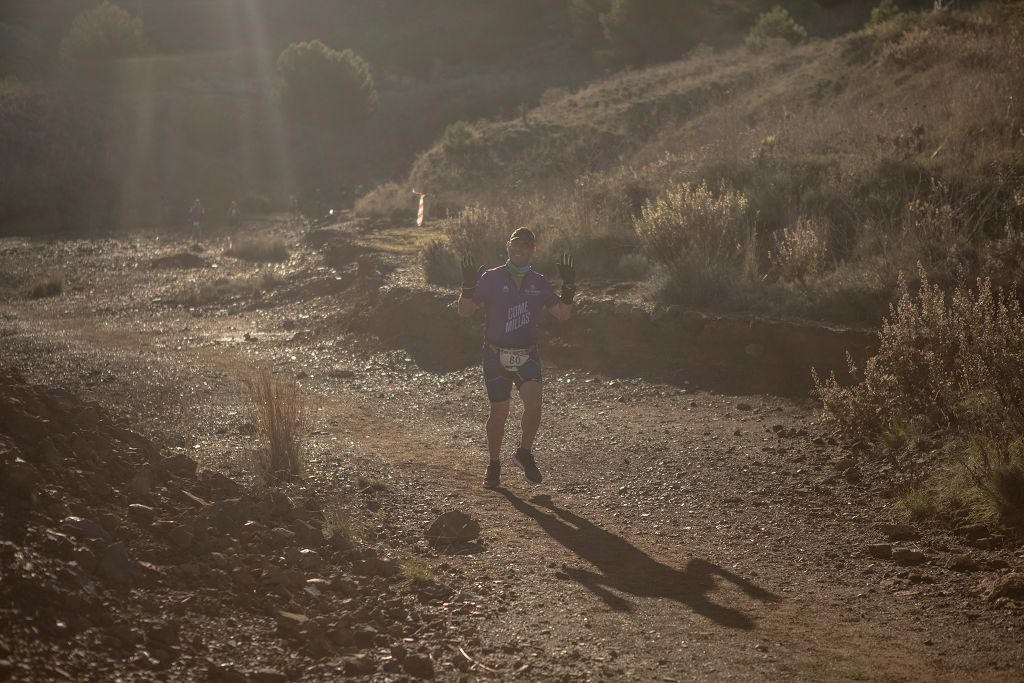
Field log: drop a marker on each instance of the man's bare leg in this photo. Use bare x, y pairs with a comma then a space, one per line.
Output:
530, 392
496, 428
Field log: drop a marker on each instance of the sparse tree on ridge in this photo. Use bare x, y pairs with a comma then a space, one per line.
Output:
326, 87
101, 34
644, 32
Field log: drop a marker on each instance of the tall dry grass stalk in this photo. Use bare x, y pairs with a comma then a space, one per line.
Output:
277, 411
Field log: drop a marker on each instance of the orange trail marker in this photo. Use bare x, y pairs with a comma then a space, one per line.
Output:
422, 209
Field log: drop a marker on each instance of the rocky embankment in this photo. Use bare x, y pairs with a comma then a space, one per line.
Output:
119, 556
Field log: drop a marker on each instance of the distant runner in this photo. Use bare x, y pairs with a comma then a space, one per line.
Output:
234, 215
512, 297
196, 213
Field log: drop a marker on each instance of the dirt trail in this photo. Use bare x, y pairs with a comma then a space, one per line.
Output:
679, 535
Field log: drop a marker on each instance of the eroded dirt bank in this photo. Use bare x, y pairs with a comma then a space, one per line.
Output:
680, 534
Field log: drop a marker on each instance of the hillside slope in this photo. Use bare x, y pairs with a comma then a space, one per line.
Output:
901, 143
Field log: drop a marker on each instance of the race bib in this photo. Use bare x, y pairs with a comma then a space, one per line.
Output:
513, 359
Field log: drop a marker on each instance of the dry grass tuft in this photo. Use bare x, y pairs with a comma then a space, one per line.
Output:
371, 484
799, 252
225, 289
338, 523
51, 284
416, 570
439, 263
278, 411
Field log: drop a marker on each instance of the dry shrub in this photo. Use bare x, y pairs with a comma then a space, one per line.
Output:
1004, 258
51, 284
704, 239
277, 410
439, 263
955, 370
481, 232
260, 249
799, 251
919, 47
390, 201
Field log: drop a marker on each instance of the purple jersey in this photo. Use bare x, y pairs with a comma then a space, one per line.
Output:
512, 312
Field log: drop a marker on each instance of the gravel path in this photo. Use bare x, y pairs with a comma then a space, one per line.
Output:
680, 534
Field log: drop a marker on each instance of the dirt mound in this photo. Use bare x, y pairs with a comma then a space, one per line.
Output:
732, 354
119, 556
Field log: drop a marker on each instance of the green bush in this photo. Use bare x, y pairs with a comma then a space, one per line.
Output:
326, 87
101, 34
886, 10
459, 137
774, 26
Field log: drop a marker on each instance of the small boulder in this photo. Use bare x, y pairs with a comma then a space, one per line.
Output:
290, 622
844, 464
973, 531
143, 515
85, 528
962, 563
49, 456
181, 465
880, 550
364, 635
1007, 586
179, 535
358, 665
115, 564
453, 528
420, 666
906, 557
142, 482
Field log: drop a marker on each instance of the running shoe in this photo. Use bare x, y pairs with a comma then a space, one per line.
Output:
492, 479
524, 459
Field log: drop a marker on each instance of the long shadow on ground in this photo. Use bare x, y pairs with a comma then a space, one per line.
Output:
627, 569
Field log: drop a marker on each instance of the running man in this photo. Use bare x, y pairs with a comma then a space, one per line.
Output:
512, 296
196, 213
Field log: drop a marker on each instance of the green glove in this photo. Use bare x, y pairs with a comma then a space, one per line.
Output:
567, 270
470, 274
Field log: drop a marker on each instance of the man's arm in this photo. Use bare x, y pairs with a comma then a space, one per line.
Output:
467, 306
561, 310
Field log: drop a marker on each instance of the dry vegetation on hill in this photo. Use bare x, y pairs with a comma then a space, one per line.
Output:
858, 158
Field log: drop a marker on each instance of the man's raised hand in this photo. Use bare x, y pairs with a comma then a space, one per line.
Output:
567, 270
470, 274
